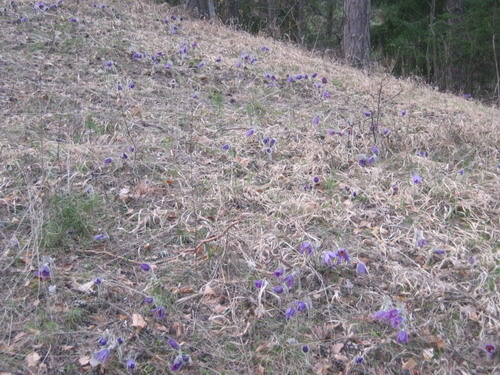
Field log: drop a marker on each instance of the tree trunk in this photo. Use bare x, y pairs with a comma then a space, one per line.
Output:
271, 18
454, 71
356, 38
301, 25
329, 19
206, 9
233, 12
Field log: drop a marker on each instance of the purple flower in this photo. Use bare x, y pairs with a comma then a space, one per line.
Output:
148, 300
403, 113
421, 242
316, 120
289, 281
386, 131
109, 63
439, 251
119, 87
326, 95
301, 306
328, 257
195, 96
391, 317
290, 313
361, 269
307, 187
402, 337
467, 96
249, 132
258, 284
416, 179
159, 312
306, 247
178, 363
316, 180
423, 154
371, 159
358, 360
265, 140
145, 267
44, 273
98, 281
367, 114
168, 65
375, 150
108, 160
305, 348
238, 64
279, 272
461, 172
324, 80
298, 77
264, 48
119, 340
490, 349
317, 85
226, 147
173, 344
201, 64
102, 341
130, 364
272, 141
342, 254
131, 85
218, 60
101, 356
278, 289
24, 19
253, 59
100, 237
73, 19
290, 80
39, 5
314, 75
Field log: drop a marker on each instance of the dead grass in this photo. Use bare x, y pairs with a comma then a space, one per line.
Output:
212, 221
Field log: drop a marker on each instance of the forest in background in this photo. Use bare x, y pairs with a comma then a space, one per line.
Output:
451, 44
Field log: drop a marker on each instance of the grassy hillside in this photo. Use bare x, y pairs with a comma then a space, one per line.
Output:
167, 178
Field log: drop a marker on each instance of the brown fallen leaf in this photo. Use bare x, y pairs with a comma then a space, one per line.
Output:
84, 361
65, 348
32, 359
138, 321
410, 364
337, 347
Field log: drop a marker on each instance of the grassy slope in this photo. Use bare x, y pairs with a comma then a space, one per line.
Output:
62, 115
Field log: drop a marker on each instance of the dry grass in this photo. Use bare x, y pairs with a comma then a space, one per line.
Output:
213, 221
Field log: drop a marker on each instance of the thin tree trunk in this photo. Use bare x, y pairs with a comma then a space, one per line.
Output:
454, 71
356, 37
271, 17
301, 25
233, 11
329, 19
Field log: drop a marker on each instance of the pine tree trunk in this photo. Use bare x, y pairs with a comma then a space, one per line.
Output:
233, 11
206, 9
271, 17
356, 37
454, 71
329, 19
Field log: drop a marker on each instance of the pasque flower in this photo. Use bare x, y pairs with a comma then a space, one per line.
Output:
402, 337
159, 312
306, 247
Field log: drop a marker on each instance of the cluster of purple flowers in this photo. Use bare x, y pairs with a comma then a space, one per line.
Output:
341, 255
40, 5
297, 306
392, 317
268, 144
